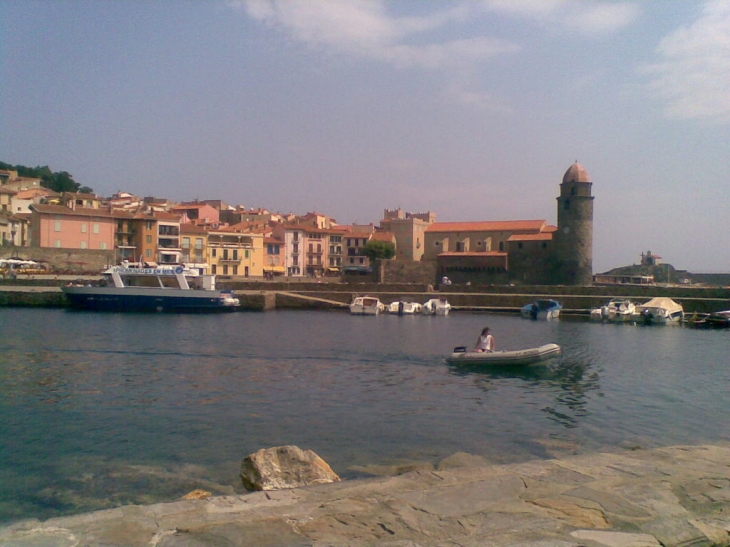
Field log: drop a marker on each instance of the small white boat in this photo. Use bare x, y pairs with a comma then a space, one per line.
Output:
404, 307
542, 309
366, 305
615, 311
461, 356
436, 306
659, 311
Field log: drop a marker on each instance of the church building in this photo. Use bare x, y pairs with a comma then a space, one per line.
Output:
521, 251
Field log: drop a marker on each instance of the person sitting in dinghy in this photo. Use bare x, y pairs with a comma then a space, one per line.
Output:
485, 342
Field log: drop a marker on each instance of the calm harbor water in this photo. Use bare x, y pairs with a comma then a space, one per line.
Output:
100, 410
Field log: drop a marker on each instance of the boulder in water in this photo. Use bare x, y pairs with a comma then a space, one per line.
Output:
284, 467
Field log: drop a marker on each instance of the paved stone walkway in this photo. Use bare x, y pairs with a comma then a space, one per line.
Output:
671, 497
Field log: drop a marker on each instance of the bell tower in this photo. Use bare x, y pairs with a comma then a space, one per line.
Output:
575, 227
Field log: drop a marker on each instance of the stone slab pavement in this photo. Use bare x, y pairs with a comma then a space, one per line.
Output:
671, 497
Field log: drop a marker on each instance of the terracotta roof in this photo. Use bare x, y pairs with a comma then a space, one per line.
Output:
383, 236
488, 226
78, 212
34, 192
78, 195
184, 206
545, 236
190, 228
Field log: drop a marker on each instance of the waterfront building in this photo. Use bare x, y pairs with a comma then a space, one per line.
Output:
198, 213
355, 238
236, 251
292, 237
409, 230
525, 251
194, 245
274, 258
156, 237
61, 227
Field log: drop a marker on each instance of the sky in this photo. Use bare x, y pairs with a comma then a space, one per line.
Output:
471, 109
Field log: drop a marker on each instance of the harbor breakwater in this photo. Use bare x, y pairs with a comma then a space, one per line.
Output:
262, 295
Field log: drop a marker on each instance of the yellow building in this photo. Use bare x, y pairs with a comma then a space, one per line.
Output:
236, 251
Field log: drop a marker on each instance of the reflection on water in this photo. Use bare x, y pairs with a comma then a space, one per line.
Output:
100, 410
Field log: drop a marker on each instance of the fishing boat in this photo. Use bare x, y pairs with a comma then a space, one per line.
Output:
542, 309
615, 311
436, 306
715, 320
366, 305
522, 357
138, 288
404, 307
659, 311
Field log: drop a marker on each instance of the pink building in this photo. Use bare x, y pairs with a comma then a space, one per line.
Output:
81, 228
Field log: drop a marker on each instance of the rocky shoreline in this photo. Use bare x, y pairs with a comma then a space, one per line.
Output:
674, 496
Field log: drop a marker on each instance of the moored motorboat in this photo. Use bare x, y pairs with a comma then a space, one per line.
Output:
136, 288
436, 306
504, 358
404, 307
659, 311
366, 305
615, 311
544, 308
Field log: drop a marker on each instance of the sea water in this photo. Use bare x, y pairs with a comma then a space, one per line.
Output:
103, 409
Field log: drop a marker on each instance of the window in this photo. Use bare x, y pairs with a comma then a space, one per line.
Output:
566, 205
149, 239
149, 225
83, 245
84, 227
213, 252
198, 242
96, 227
245, 253
58, 243
186, 243
148, 253
235, 254
235, 270
57, 226
225, 270
103, 246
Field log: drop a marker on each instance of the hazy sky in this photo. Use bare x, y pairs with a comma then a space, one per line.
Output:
471, 109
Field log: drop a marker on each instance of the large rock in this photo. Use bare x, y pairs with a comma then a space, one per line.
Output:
285, 467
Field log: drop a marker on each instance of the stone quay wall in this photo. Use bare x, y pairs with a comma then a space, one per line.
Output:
267, 295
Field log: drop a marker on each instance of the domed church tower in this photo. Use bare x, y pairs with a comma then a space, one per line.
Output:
575, 227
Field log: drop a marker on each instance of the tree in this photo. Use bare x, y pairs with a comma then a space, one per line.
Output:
61, 181
378, 249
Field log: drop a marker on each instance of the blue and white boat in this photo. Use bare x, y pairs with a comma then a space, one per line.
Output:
542, 309
137, 288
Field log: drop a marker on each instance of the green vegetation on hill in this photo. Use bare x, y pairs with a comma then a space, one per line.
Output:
60, 181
